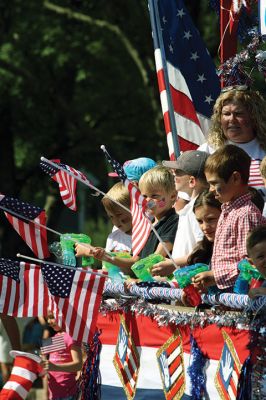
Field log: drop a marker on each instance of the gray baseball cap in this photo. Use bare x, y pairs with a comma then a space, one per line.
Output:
190, 162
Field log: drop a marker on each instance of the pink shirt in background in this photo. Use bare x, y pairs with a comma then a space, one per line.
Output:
62, 384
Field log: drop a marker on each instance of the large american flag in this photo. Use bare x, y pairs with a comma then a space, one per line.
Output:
28, 290
30, 223
67, 183
141, 225
22, 291
75, 298
186, 74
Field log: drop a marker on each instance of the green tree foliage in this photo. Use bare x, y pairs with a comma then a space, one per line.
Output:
76, 74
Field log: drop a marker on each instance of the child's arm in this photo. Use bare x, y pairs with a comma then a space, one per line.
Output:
98, 252
166, 267
261, 291
73, 366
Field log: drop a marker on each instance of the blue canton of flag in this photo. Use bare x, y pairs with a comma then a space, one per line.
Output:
117, 167
10, 268
171, 365
58, 279
182, 58
29, 211
126, 360
228, 372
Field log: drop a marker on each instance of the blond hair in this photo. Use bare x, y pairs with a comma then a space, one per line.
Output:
255, 105
158, 177
119, 193
263, 167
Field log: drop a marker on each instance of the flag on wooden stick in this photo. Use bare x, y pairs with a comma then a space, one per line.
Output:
141, 226
30, 223
67, 183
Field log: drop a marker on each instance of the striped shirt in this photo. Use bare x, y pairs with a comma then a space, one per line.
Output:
236, 220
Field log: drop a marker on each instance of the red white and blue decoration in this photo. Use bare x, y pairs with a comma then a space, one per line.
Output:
228, 371
126, 360
171, 366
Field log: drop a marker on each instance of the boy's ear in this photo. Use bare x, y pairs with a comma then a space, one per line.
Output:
237, 178
192, 181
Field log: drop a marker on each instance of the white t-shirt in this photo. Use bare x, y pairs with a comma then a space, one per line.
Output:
254, 150
188, 232
118, 241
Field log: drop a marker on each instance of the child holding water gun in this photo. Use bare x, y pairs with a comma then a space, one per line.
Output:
256, 249
157, 185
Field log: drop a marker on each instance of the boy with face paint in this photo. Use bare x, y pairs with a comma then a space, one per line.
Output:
158, 186
227, 172
188, 171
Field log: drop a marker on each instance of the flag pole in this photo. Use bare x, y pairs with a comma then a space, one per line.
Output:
11, 212
86, 182
160, 58
87, 271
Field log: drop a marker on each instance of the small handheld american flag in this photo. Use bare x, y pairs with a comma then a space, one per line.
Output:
53, 344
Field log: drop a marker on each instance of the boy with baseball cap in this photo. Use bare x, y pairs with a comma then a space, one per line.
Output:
189, 175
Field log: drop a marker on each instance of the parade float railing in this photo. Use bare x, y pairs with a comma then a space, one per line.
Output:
154, 350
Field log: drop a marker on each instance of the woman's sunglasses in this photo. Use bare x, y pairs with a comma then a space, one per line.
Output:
241, 88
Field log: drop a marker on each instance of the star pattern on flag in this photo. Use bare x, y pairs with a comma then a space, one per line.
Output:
9, 268
58, 279
26, 210
186, 75
194, 56
180, 13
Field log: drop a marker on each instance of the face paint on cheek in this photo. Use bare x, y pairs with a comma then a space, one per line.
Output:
161, 203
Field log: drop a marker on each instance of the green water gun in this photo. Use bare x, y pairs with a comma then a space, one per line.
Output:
67, 241
142, 268
115, 272
249, 277
184, 277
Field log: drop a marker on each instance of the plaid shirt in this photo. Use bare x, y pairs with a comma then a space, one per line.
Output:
236, 220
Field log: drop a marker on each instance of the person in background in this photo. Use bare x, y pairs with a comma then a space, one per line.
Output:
207, 210
62, 366
189, 176
239, 118
256, 249
227, 172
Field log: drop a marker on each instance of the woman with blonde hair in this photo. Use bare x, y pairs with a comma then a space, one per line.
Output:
239, 118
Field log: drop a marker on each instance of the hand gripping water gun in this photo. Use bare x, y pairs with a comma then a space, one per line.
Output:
142, 268
184, 279
115, 272
67, 242
248, 278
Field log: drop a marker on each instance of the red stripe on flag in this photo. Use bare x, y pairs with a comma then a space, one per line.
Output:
161, 80
183, 105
